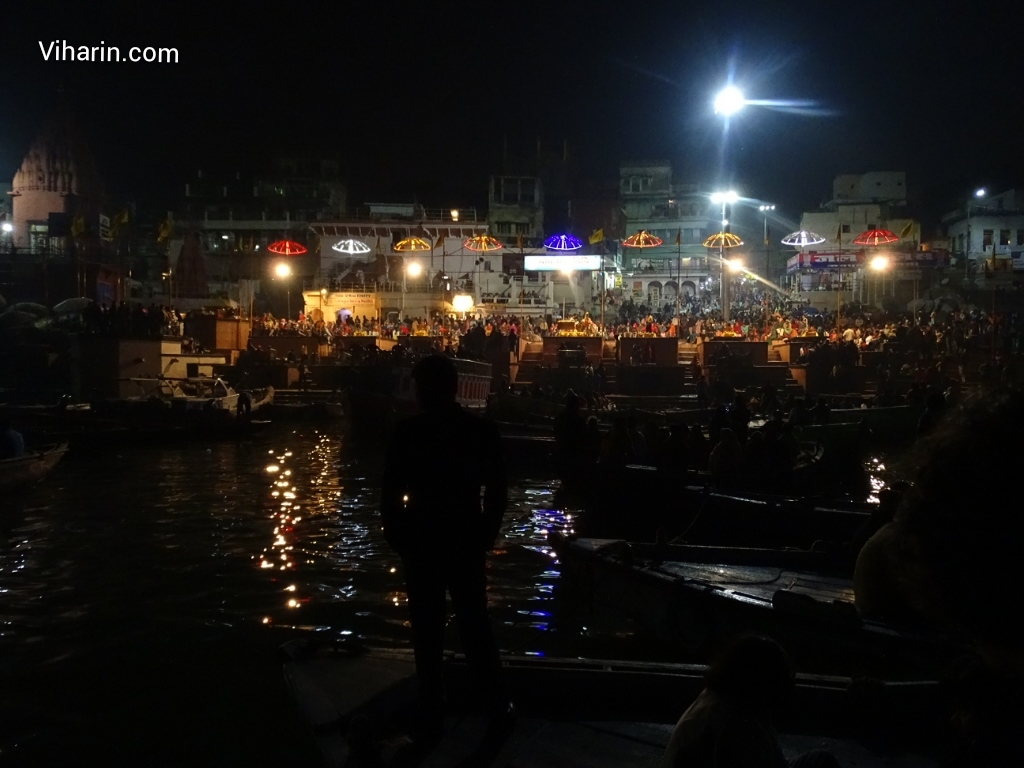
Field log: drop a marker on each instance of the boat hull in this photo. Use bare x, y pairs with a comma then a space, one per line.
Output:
16, 474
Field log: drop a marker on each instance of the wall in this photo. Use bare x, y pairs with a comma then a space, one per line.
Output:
101, 365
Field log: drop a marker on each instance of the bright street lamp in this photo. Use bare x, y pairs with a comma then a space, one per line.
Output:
283, 271
880, 263
415, 269
735, 265
765, 209
462, 302
729, 101
978, 193
7, 227
724, 198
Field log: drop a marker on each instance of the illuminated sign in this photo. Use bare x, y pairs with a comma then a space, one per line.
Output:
552, 263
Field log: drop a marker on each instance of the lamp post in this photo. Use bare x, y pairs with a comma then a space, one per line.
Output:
283, 271
879, 264
413, 269
979, 194
724, 198
764, 210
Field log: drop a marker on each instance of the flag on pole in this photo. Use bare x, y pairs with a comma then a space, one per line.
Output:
766, 238
907, 231
439, 242
119, 219
164, 230
377, 247
519, 241
78, 226
679, 237
596, 237
839, 234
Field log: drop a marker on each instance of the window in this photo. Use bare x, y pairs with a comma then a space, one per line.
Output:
960, 241
503, 227
1004, 237
522, 229
986, 238
846, 229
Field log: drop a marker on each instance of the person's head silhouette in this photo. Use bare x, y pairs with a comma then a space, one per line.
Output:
437, 382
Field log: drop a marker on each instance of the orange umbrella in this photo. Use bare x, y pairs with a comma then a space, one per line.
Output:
723, 240
481, 243
642, 239
875, 237
411, 244
287, 248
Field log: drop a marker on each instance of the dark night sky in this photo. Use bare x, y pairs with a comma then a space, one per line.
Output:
418, 98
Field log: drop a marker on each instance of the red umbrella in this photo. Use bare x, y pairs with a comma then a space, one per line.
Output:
287, 248
875, 237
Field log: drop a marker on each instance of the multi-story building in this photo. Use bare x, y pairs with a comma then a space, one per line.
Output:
859, 203
678, 214
989, 229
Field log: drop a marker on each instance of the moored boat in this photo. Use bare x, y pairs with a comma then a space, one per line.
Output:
23, 471
697, 605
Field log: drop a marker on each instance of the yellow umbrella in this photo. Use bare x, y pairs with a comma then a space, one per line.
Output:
722, 240
411, 244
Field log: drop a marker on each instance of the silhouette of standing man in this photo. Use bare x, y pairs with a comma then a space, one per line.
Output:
432, 517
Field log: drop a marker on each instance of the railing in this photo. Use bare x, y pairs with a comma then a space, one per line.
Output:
412, 213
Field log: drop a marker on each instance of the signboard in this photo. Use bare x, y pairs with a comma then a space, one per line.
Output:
359, 303
551, 263
840, 259
105, 228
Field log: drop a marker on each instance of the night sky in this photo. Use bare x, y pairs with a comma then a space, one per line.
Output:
417, 100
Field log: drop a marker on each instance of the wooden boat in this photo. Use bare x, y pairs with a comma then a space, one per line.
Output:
590, 712
209, 398
26, 470
696, 605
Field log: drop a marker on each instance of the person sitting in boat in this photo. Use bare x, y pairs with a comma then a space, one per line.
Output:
731, 721
12, 444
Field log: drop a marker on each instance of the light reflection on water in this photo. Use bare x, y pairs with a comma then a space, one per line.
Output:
281, 530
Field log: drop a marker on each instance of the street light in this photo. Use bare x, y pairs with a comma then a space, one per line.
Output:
979, 194
7, 227
283, 271
413, 269
729, 101
879, 264
764, 209
724, 198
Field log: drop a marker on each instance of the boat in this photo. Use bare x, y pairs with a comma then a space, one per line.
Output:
381, 393
188, 398
594, 712
23, 471
698, 605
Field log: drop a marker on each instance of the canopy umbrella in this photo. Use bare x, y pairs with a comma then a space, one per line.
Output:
642, 239
351, 247
802, 239
723, 240
875, 237
410, 244
563, 243
72, 306
481, 243
38, 310
14, 318
3, 302
287, 248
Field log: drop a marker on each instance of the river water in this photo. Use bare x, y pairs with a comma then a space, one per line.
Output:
133, 559
162, 578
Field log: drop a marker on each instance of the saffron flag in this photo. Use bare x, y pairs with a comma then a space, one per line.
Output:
439, 242
907, 231
596, 237
679, 237
78, 226
119, 219
839, 234
519, 241
164, 230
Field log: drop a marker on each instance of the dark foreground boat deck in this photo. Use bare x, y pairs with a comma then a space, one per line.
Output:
575, 713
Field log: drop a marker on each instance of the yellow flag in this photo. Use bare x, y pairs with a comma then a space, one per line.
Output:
907, 231
164, 230
78, 226
122, 217
679, 237
439, 242
597, 237
519, 241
